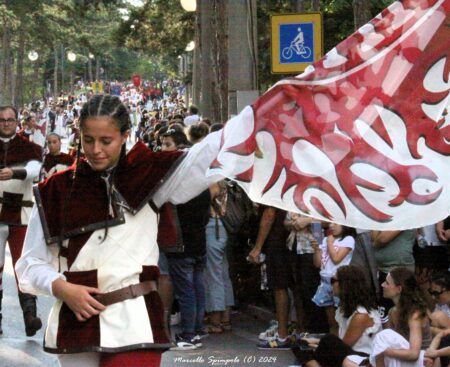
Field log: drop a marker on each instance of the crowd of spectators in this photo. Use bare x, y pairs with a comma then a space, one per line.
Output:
352, 295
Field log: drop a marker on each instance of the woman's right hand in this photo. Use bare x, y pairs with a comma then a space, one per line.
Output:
312, 342
78, 298
253, 256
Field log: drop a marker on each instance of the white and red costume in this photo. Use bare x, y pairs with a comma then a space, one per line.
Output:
143, 181
56, 163
16, 196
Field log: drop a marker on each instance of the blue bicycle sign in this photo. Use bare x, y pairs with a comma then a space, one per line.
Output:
296, 43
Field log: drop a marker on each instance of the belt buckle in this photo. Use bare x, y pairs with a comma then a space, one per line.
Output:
133, 295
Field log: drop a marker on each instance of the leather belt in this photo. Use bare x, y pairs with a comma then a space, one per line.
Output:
122, 294
18, 204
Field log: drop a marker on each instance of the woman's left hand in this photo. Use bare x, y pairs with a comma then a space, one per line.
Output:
431, 353
312, 342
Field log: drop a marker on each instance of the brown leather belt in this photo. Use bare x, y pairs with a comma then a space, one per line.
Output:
16, 204
132, 291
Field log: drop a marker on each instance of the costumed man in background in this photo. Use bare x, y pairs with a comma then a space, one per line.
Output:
20, 165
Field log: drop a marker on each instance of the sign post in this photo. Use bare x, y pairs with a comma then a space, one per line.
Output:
296, 41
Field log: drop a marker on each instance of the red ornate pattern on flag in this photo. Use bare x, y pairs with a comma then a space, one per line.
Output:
358, 134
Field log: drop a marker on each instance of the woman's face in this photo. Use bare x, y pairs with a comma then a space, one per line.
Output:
440, 294
102, 142
54, 145
168, 145
336, 229
390, 290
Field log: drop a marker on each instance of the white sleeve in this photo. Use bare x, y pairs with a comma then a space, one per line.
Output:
36, 268
347, 241
189, 178
33, 168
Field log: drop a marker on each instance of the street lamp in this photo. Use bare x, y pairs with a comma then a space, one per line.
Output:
190, 46
33, 55
71, 56
91, 56
189, 5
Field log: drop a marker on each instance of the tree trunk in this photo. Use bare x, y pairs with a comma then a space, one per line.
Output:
90, 69
242, 52
315, 5
12, 79
361, 12
19, 78
196, 67
206, 101
71, 82
34, 80
6, 66
63, 79
55, 75
2, 66
221, 60
97, 68
298, 6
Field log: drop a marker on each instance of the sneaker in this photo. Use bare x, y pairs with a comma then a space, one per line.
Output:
175, 319
270, 332
276, 343
200, 334
182, 342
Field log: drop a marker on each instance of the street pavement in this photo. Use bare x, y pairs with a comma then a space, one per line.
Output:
233, 349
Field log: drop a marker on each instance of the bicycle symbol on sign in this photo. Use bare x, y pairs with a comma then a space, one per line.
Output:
297, 46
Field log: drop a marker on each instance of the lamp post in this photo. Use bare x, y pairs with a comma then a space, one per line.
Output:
33, 55
189, 5
187, 61
190, 46
71, 56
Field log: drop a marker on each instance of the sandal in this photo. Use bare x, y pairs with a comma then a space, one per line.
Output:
214, 329
226, 326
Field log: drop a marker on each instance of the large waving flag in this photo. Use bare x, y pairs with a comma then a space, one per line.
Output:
362, 137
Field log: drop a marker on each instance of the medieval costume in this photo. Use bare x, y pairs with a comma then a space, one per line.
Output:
112, 248
56, 163
16, 201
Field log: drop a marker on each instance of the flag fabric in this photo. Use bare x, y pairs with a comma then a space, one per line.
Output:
362, 137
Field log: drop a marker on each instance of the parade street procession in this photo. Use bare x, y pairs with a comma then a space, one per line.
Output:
225, 183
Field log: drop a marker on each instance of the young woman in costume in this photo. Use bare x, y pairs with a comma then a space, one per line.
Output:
91, 243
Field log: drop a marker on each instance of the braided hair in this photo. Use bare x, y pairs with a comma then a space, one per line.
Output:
102, 105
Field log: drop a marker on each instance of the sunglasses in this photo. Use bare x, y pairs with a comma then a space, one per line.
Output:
334, 280
435, 293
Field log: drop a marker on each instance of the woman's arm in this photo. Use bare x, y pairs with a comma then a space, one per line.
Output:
440, 231
317, 257
37, 274
360, 322
433, 351
36, 268
383, 238
336, 254
415, 341
265, 225
79, 298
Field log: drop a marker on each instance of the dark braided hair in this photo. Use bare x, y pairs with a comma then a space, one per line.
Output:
411, 298
102, 105
106, 105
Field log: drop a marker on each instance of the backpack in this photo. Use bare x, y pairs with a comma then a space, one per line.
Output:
239, 209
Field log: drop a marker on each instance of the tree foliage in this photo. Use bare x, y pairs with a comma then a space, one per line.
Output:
148, 40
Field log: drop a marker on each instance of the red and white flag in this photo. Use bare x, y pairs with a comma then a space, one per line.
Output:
362, 137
